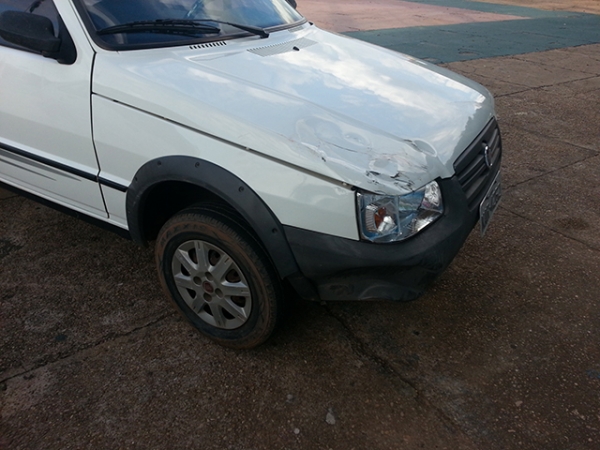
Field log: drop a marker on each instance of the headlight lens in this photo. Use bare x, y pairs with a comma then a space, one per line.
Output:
387, 218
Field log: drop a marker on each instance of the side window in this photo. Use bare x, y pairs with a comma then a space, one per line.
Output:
44, 8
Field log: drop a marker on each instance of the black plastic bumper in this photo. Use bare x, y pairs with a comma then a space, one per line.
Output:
343, 269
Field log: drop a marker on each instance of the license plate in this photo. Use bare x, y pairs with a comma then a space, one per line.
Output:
490, 203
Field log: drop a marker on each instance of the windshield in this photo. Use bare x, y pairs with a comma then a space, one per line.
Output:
127, 24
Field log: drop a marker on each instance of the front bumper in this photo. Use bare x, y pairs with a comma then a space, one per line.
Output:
343, 269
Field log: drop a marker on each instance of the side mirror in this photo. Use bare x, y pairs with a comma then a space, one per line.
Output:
29, 30
36, 33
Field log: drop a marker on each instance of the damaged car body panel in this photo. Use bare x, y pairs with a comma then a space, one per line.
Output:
340, 108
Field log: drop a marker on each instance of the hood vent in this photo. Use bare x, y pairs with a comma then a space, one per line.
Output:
208, 45
291, 46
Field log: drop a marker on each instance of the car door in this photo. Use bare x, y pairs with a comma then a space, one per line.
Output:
46, 145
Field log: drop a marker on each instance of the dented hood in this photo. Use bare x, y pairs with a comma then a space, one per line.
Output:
328, 104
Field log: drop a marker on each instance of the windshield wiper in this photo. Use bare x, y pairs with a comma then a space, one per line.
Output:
249, 28
178, 26
175, 26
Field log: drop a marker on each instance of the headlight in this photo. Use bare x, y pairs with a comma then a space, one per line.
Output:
387, 218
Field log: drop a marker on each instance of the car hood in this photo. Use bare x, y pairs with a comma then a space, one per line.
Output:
325, 103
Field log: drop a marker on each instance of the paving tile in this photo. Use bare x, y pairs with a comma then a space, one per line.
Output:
521, 72
585, 6
484, 71
528, 156
516, 7
554, 113
354, 15
462, 42
565, 59
592, 50
565, 201
82, 285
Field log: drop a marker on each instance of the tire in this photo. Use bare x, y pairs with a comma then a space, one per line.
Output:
219, 277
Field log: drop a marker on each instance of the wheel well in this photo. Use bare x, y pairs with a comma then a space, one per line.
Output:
165, 186
166, 199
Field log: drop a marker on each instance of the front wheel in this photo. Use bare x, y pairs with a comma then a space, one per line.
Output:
219, 277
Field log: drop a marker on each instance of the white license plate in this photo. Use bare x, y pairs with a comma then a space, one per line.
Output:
490, 203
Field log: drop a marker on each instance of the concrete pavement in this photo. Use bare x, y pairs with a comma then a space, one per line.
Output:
503, 352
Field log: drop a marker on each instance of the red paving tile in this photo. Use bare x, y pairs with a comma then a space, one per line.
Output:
358, 15
585, 6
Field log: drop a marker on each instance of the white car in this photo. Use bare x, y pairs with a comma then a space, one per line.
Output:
254, 148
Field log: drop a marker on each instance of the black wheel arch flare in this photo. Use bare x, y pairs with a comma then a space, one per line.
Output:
224, 185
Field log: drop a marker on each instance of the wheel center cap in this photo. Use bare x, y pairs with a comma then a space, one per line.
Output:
208, 287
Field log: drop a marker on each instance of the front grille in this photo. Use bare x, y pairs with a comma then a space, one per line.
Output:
479, 163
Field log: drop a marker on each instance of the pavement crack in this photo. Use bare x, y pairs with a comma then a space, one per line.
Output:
551, 67
547, 136
362, 349
74, 351
527, 89
544, 86
557, 169
567, 236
